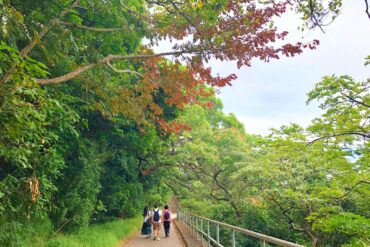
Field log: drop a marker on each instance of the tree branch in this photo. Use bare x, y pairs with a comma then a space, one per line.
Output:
352, 188
136, 14
367, 8
123, 70
287, 216
313, 16
229, 196
24, 52
68, 76
45, 28
179, 181
105, 60
351, 99
93, 29
187, 18
218, 198
151, 168
364, 135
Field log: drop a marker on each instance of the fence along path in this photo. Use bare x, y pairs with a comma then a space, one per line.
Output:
200, 227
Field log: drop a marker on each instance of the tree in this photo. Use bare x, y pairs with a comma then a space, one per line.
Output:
216, 151
247, 25
53, 141
276, 185
347, 105
321, 13
345, 123
33, 126
226, 30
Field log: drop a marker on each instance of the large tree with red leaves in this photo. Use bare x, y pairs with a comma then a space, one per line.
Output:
89, 40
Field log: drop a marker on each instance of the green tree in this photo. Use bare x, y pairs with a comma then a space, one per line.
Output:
32, 126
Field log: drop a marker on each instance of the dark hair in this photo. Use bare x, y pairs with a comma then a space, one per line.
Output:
166, 206
156, 205
145, 213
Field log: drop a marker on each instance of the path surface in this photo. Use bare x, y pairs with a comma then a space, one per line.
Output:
174, 240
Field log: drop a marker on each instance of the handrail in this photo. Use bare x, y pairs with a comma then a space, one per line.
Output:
192, 223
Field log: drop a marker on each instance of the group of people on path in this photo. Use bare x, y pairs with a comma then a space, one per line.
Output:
155, 219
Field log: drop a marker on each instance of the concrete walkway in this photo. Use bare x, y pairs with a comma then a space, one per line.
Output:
174, 240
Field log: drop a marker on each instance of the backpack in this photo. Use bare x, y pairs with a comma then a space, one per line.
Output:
167, 215
156, 215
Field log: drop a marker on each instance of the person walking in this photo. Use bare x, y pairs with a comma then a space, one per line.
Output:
166, 221
157, 215
146, 229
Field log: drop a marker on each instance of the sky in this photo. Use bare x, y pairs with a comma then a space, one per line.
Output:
269, 95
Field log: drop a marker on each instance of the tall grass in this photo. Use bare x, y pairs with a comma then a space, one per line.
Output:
100, 235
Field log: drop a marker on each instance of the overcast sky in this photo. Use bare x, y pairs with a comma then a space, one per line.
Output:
273, 94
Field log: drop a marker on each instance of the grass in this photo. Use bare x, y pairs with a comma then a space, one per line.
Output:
101, 235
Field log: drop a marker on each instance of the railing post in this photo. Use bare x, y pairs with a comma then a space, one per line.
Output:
201, 232
187, 220
209, 234
263, 243
233, 238
196, 226
218, 233
192, 224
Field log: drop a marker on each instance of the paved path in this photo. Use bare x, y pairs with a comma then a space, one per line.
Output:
174, 240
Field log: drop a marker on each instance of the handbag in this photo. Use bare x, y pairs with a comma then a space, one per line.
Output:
148, 222
143, 229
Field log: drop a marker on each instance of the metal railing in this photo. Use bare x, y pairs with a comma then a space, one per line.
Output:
196, 225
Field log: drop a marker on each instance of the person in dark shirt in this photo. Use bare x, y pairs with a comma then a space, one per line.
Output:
166, 221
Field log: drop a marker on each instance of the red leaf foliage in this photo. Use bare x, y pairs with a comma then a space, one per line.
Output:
239, 30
